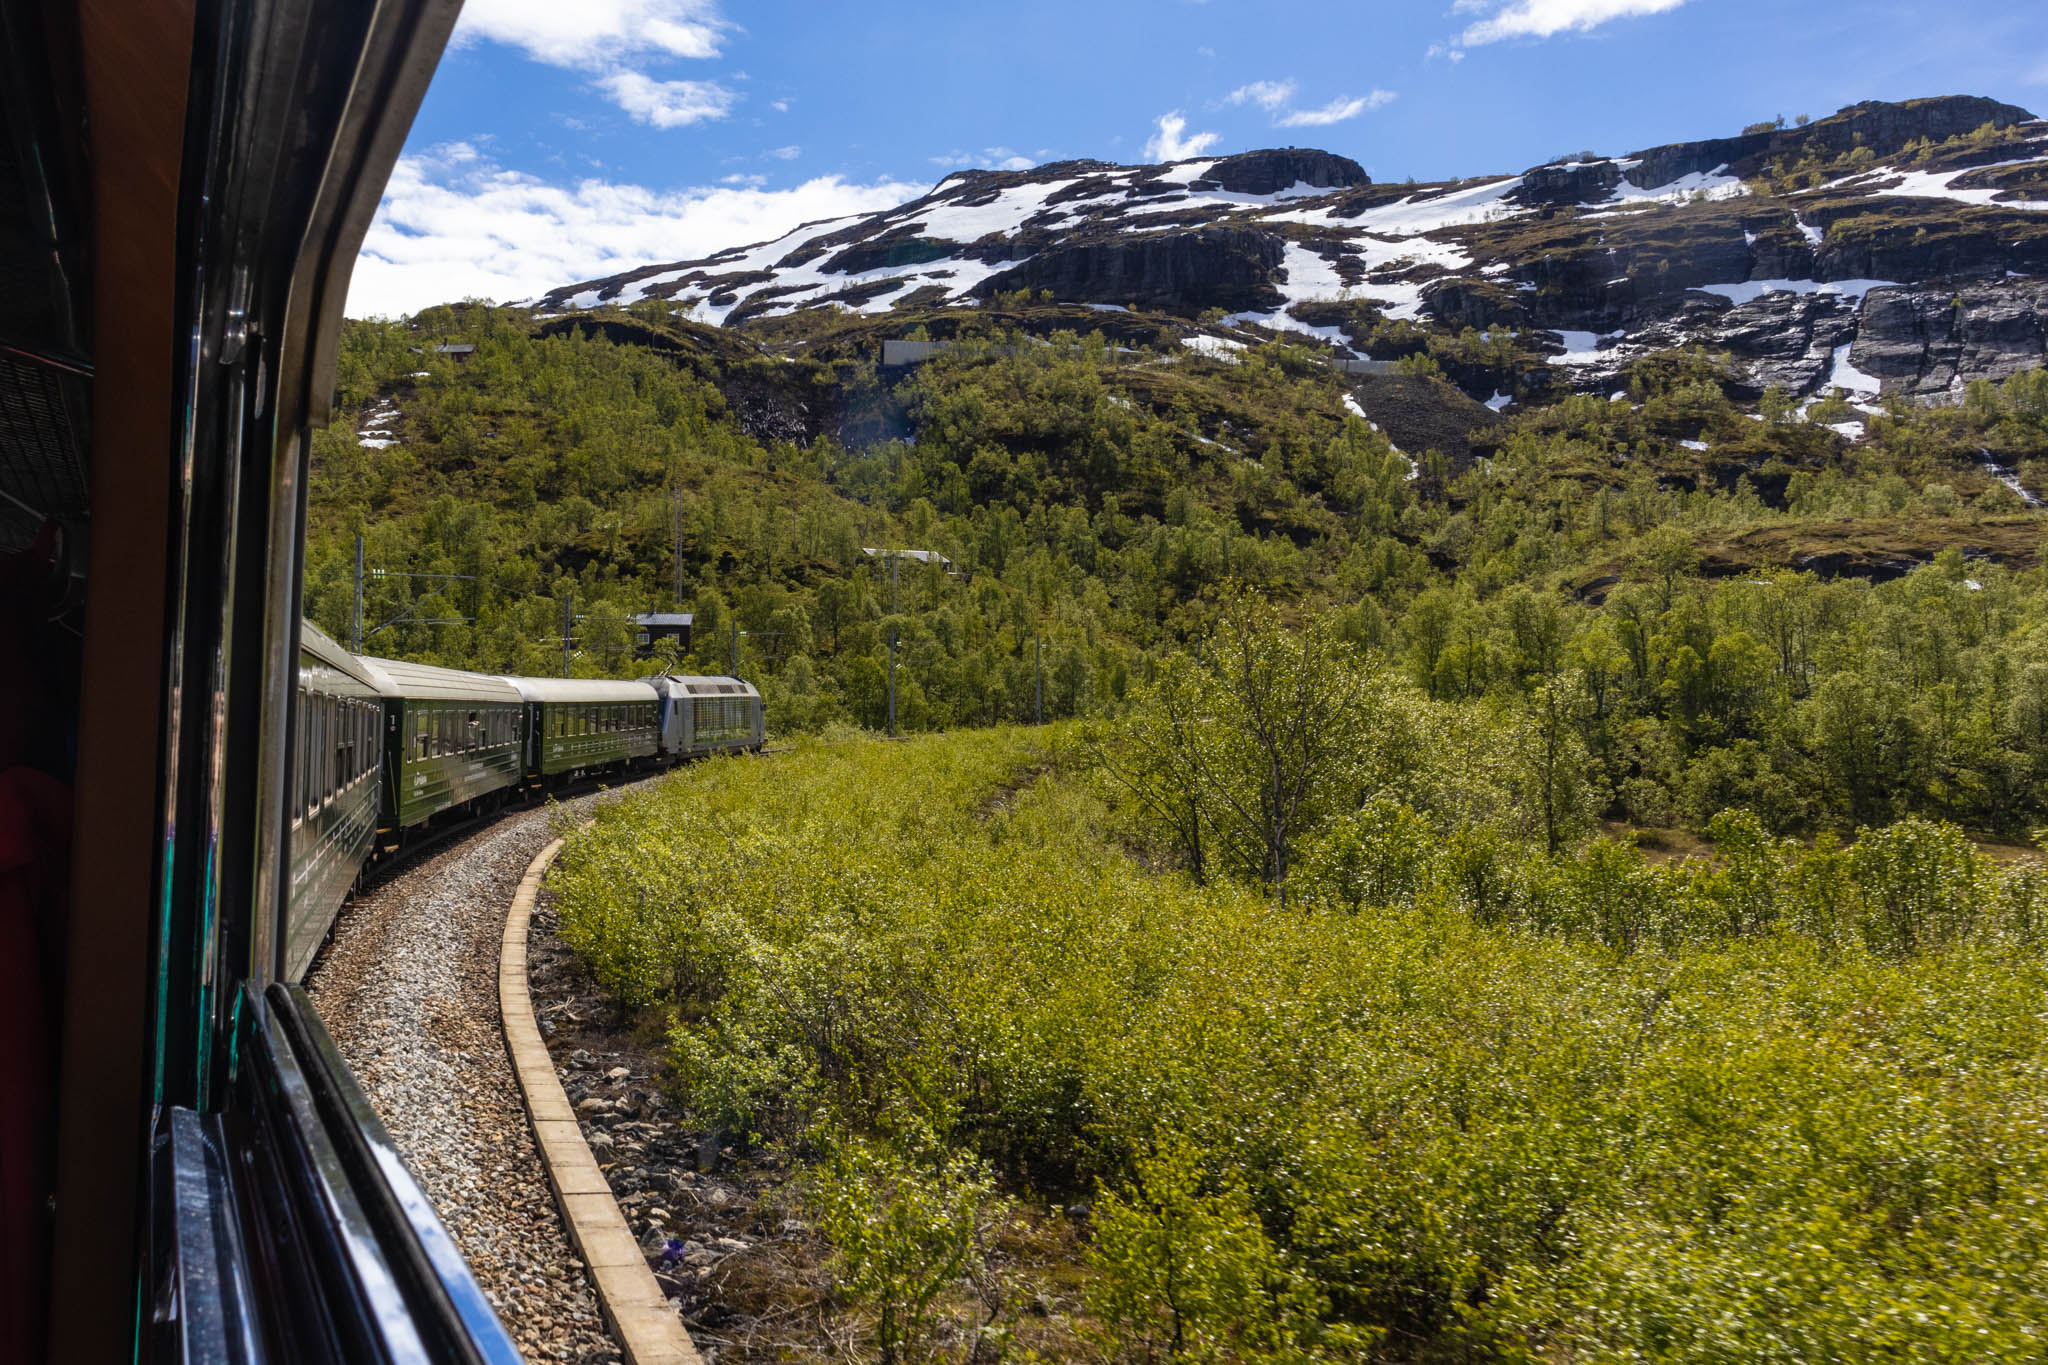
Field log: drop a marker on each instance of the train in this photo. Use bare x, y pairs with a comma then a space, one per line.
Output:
387, 751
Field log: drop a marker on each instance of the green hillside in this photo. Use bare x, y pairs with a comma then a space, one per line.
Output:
1750, 606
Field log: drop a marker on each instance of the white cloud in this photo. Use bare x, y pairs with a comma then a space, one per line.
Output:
1173, 142
455, 225
755, 181
779, 106
1267, 95
1546, 18
1277, 98
596, 33
667, 104
1336, 111
615, 39
789, 153
988, 158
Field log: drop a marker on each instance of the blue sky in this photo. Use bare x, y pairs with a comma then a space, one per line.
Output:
564, 141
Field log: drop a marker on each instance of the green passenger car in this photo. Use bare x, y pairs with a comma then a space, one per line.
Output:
582, 723
449, 738
334, 790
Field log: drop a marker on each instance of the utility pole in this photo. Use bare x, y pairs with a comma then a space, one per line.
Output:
1038, 678
568, 628
892, 682
675, 522
355, 630
895, 563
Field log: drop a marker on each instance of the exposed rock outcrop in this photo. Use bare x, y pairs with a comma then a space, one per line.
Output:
1228, 268
1881, 126
1276, 169
1932, 341
1570, 182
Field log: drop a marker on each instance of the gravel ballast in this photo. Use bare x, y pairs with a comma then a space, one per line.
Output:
409, 989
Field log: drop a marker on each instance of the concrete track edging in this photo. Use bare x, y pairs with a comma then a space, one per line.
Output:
639, 1313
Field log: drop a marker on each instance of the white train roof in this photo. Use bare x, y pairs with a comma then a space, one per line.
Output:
329, 654
672, 686
592, 691
424, 682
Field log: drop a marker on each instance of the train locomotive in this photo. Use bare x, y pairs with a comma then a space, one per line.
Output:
387, 751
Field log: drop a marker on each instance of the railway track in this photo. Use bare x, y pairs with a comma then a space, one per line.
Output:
440, 837
407, 986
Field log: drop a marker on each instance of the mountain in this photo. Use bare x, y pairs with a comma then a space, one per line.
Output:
1891, 248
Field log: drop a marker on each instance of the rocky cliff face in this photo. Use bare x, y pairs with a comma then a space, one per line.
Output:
1270, 172
1230, 268
1887, 248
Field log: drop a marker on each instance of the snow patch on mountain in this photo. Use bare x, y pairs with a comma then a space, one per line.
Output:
1853, 290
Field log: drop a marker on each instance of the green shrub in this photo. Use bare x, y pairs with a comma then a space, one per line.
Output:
901, 1236
1462, 1098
